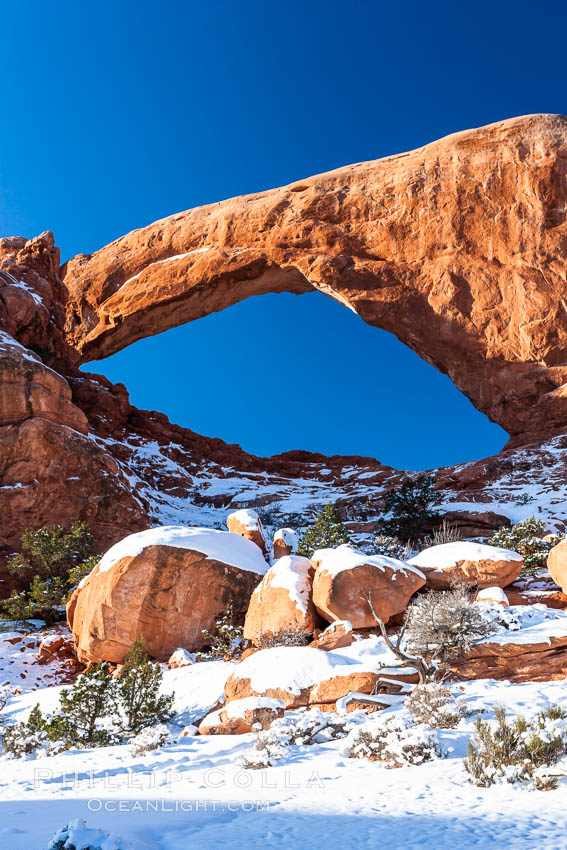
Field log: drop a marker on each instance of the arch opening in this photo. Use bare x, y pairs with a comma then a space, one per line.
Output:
276, 373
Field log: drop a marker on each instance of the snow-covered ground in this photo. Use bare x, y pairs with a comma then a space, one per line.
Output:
195, 793
180, 491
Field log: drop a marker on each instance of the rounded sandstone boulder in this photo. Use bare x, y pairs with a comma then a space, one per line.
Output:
472, 563
167, 584
283, 600
347, 580
286, 541
557, 565
248, 524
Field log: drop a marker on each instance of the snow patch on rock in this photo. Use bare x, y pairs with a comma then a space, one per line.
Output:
220, 546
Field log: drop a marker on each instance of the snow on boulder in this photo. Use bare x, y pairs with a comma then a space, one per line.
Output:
242, 715
493, 595
557, 565
286, 541
181, 658
344, 578
473, 563
248, 524
283, 600
167, 584
305, 676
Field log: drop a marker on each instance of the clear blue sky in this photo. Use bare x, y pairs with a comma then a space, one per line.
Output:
117, 113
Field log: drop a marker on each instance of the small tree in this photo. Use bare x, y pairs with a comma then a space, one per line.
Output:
51, 559
43, 599
226, 640
51, 551
525, 539
25, 738
443, 625
411, 506
137, 694
327, 532
82, 708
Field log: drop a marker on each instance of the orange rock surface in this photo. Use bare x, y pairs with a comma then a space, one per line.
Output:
456, 247
165, 593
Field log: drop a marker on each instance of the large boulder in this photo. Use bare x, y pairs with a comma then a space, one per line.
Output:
167, 584
345, 579
248, 524
557, 565
302, 676
472, 563
283, 600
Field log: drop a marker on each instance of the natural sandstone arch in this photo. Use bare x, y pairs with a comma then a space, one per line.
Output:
458, 248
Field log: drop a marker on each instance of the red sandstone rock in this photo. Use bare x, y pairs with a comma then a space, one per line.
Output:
473, 563
454, 247
283, 600
242, 716
344, 578
167, 593
557, 564
285, 542
336, 636
248, 524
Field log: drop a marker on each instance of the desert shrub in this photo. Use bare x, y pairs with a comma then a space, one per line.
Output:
525, 539
433, 704
309, 727
285, 637
26, 738
519, 750
151, 739
411, 508
395, 741
51, 559
442, 626
77, 836
136, 693
327, 532
4, 697
392, 547
444, 534
226, 640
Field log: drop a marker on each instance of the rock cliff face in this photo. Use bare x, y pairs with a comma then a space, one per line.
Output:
459, 248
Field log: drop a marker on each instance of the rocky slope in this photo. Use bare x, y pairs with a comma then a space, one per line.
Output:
458, 248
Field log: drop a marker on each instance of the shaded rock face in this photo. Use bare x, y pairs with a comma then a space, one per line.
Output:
457, 247
165, 593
